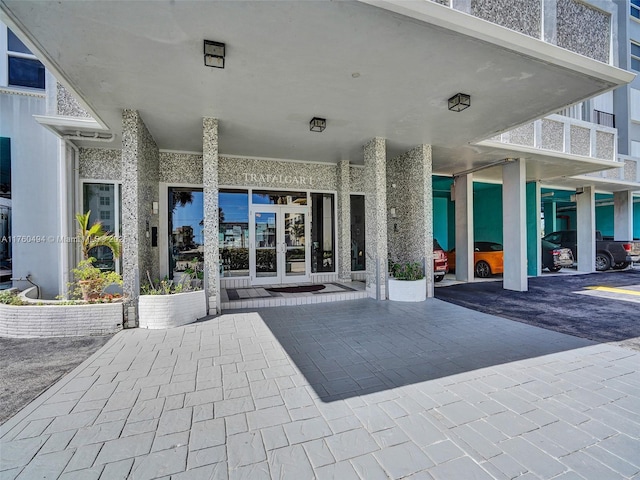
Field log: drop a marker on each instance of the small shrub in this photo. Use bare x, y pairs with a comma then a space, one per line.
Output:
10, 298
407, 271
91, 281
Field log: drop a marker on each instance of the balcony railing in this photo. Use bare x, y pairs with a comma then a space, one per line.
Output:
564, 135
604, 118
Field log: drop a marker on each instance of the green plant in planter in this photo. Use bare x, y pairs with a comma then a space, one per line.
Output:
94, 236
407, 271
10, 298
91, 281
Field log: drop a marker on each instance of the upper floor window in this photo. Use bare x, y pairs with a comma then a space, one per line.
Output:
24, 69
635, 8
634, 111
635, 56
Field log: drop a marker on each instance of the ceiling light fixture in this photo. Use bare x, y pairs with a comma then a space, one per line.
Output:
459, 102
214, 54
317, 124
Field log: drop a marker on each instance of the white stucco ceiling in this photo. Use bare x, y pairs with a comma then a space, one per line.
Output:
368, 71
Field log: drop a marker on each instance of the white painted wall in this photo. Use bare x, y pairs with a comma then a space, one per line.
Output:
35, 203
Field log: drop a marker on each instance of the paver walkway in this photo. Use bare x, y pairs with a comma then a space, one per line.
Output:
349, 390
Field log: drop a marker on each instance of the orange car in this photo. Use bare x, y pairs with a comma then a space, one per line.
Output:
487, 257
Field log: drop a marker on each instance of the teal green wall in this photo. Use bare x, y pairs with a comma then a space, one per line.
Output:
441, 221
604, 220
487, 213
636, 220
533, 219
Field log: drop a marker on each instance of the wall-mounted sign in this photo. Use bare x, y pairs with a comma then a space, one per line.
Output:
279, 179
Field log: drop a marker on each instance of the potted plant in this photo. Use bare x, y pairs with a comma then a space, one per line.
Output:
165, 304
90, 280
408, 283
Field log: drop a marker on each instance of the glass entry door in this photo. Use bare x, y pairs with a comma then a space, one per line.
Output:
279, 247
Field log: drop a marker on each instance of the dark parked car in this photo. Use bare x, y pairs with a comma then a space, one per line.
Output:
440, 264
554, 257
609, 253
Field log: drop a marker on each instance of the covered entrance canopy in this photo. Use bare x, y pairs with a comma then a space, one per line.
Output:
384, 70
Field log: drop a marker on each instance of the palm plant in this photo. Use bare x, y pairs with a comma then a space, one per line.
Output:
94, 236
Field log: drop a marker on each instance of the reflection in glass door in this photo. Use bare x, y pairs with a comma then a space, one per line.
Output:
295, 252
279, 247
265, 235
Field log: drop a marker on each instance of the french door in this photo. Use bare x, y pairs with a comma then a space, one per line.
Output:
279, 250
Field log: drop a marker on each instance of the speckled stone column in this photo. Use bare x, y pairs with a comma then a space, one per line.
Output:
210, 187
139, 189
410, 195
344, 221
375, 178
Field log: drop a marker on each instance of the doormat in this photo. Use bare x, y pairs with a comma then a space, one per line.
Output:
300, 289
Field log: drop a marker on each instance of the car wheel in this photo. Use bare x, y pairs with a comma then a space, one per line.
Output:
621, 265
483, 270
554, 268
438, 278
602, 262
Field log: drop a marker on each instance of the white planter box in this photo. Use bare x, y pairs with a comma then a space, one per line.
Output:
168, 311
51, 320
407, 290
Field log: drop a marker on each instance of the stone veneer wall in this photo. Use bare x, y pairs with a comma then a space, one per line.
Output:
68, 105
140, 177
274, 174
523, 135
605, 147
631, 170
524, 16
552, 135
356, 179
180, 168
210, 182
580, 140
410, 233
583, 29
375, 163
343, 222
101, 164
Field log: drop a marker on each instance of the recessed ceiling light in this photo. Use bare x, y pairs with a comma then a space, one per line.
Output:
355, 74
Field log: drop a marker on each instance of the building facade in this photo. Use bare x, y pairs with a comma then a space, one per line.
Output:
312, 155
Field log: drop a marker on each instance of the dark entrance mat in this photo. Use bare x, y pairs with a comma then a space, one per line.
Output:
299, 289
552, 303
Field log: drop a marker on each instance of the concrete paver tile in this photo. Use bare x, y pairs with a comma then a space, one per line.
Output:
174, 402
209, 433
206, 456
216, 471
57, 442
459, 468
420, 430
508, 423
225, 408
274, 437
173, 440
136, 428
290, 463
588, 467
255, 471
532, 457
267, 417
368, 468
504, 466
173, 421
442, 452
350, 444
306, 430
158, 464
85, 474
34, 428
19, 452
98, 433
624, 447
49, 465
318, 453
147, 409
390, 437
124, 448
245, 449
342, 470
612, 461
402, 460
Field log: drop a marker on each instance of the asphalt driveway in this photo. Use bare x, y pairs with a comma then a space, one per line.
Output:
28, 366
567, 304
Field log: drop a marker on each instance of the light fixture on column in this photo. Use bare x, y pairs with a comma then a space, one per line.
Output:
317, 124
459, 102
214, 54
